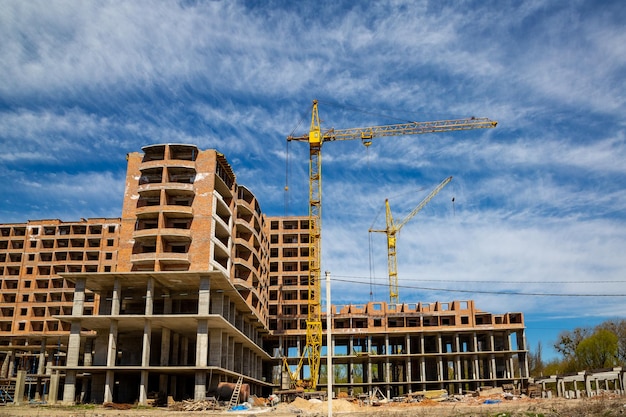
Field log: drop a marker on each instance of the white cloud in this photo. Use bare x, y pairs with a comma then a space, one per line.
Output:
541, 196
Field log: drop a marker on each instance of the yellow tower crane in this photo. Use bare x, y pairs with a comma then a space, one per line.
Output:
316, 138
392, 229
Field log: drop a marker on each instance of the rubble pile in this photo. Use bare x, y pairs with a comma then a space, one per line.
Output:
195, 405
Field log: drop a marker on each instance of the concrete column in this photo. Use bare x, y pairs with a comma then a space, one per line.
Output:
167, 302
247, 358
73, 345
172, 389
241, 323
202, 342
109, 379
149, 308
111, 358
232, 315
147, 339
225, 348
409, 377
200, 386
387, 371
165, 357
217, 303
41, 366
145, 356
4, 372
49, 362
79, 297
215, 352
204, 296
202, 352
20, 388
231, 352
239, 358
422, 368
53, 391
11, 365
387, 347
175, 349
184, 352
69, 390
521, 341
115, 299
87, 353
143, 388
165, 346
109, 384
440, 367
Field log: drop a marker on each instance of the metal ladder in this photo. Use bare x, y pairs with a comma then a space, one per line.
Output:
234, 399
4, 396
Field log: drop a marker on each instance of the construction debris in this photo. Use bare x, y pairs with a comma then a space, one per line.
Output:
196, 405
117, 406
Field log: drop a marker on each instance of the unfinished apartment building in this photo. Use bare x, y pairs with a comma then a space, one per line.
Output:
193, 285
33, 294
397, 348
168, 298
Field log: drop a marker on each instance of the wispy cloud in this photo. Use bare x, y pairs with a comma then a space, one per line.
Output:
539, 198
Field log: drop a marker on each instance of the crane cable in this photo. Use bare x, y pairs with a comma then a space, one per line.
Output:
372, 273
355, 109
287, 171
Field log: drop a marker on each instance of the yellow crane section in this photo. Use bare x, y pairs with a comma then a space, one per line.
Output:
316, 138
392, 229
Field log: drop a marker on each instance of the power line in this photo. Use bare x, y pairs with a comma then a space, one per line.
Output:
534, 294
496, 282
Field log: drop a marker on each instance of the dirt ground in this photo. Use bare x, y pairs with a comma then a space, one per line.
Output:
470, 407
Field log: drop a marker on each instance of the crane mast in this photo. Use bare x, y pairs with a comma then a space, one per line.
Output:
392, 229
316, 138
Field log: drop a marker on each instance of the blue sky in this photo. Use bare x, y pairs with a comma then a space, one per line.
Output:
537, 224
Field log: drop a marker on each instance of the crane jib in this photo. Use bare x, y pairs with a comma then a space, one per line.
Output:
413, 128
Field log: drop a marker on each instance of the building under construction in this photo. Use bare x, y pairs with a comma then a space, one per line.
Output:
194, 285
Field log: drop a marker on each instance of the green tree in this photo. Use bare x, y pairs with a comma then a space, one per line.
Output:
598, 350
619, 328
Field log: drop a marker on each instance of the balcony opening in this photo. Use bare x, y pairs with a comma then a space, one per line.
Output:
154, 153
183, 152
151, 176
